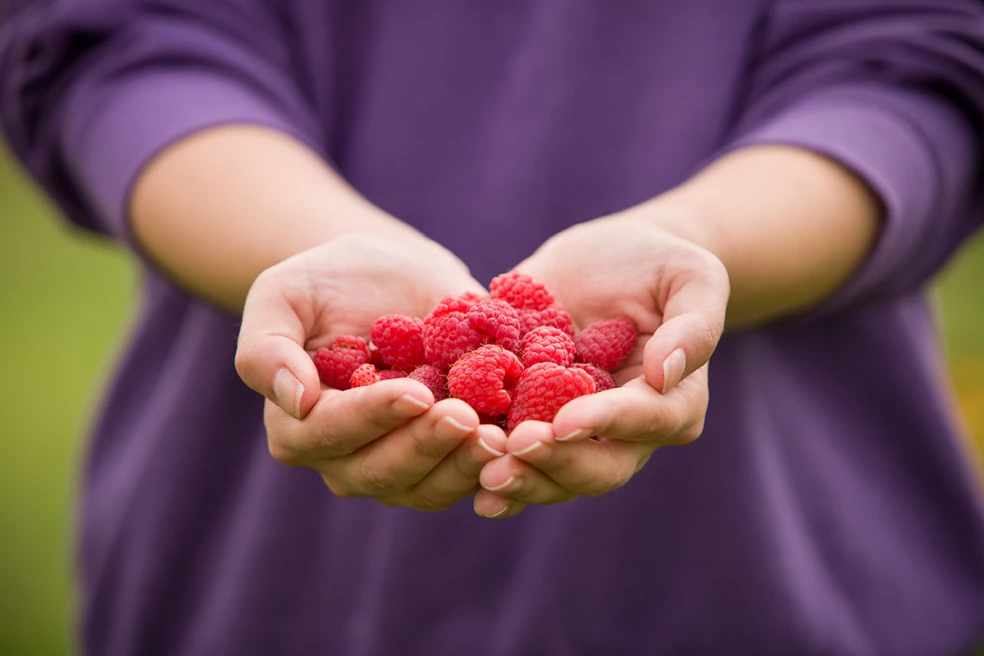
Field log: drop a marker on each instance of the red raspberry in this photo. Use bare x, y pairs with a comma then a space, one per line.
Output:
350, 342
389, 374
607, 343
457, 326
433, 378
553, 316
473, 297
400, 340
544, 388
377, 357
484, 377
547, 344
602, 379
336, 363
521, 291
364, 376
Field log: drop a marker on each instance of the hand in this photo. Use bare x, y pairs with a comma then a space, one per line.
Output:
389, 441
676, 292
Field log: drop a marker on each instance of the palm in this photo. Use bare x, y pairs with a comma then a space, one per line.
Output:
347, 286
605, 269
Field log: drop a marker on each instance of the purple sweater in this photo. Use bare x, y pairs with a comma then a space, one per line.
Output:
827, 509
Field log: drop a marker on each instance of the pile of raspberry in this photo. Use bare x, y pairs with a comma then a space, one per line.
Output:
512, 355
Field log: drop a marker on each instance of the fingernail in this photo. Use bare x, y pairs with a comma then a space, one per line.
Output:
450, 428
485, 445
503, 486
288, 391
409, 405
528, 450
579, 434
502, 512
673, 367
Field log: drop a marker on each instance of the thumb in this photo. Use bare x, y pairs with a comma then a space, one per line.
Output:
693, 320
270, 357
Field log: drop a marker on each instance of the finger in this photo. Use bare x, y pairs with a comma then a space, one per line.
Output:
586, 468
401, 459
342, 422
492, 506
457, 475
270, 356
693, 320
636, 412
515, 480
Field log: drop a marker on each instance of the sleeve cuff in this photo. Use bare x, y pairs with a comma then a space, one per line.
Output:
112, 133
890, 139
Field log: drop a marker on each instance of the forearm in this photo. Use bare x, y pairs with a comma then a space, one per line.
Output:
789, 225
217, 208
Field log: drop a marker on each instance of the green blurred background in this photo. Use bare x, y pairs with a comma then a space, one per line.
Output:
65, 302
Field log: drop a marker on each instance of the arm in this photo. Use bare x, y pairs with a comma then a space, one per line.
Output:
179, 129
790, 227
221, 206
852, 174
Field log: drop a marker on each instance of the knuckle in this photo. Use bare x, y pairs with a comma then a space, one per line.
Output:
379, 481
281, 452
467, 463
694, 431
331, 442
330, 445
339, 487
610, 478
423, 501
245, 357
710, 332
425, 444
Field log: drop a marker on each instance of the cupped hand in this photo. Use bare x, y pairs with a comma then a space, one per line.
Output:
391, 440
677, 293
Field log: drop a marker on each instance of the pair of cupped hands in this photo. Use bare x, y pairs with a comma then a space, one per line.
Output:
391, 441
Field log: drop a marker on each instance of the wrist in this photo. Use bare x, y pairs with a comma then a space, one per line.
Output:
789, 226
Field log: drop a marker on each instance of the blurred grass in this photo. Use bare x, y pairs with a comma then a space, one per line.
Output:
65, 301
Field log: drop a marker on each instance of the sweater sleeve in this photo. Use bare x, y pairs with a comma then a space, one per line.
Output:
894, 91
91, 91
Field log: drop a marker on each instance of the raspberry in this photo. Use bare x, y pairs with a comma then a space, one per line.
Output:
365, 375
521, 291
547, 344
350, 342
376, 357
389, 374
337, 362
457, 326
473, 297
544, 388
553, 316
602, 379
433, 378
484, 378
400, 340
607, 343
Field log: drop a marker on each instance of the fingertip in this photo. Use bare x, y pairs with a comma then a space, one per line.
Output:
674, 368
460, 411
492, 440
580, 418
489, 505
307, 375
528, 432
409, 405
288, 392
412, 388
